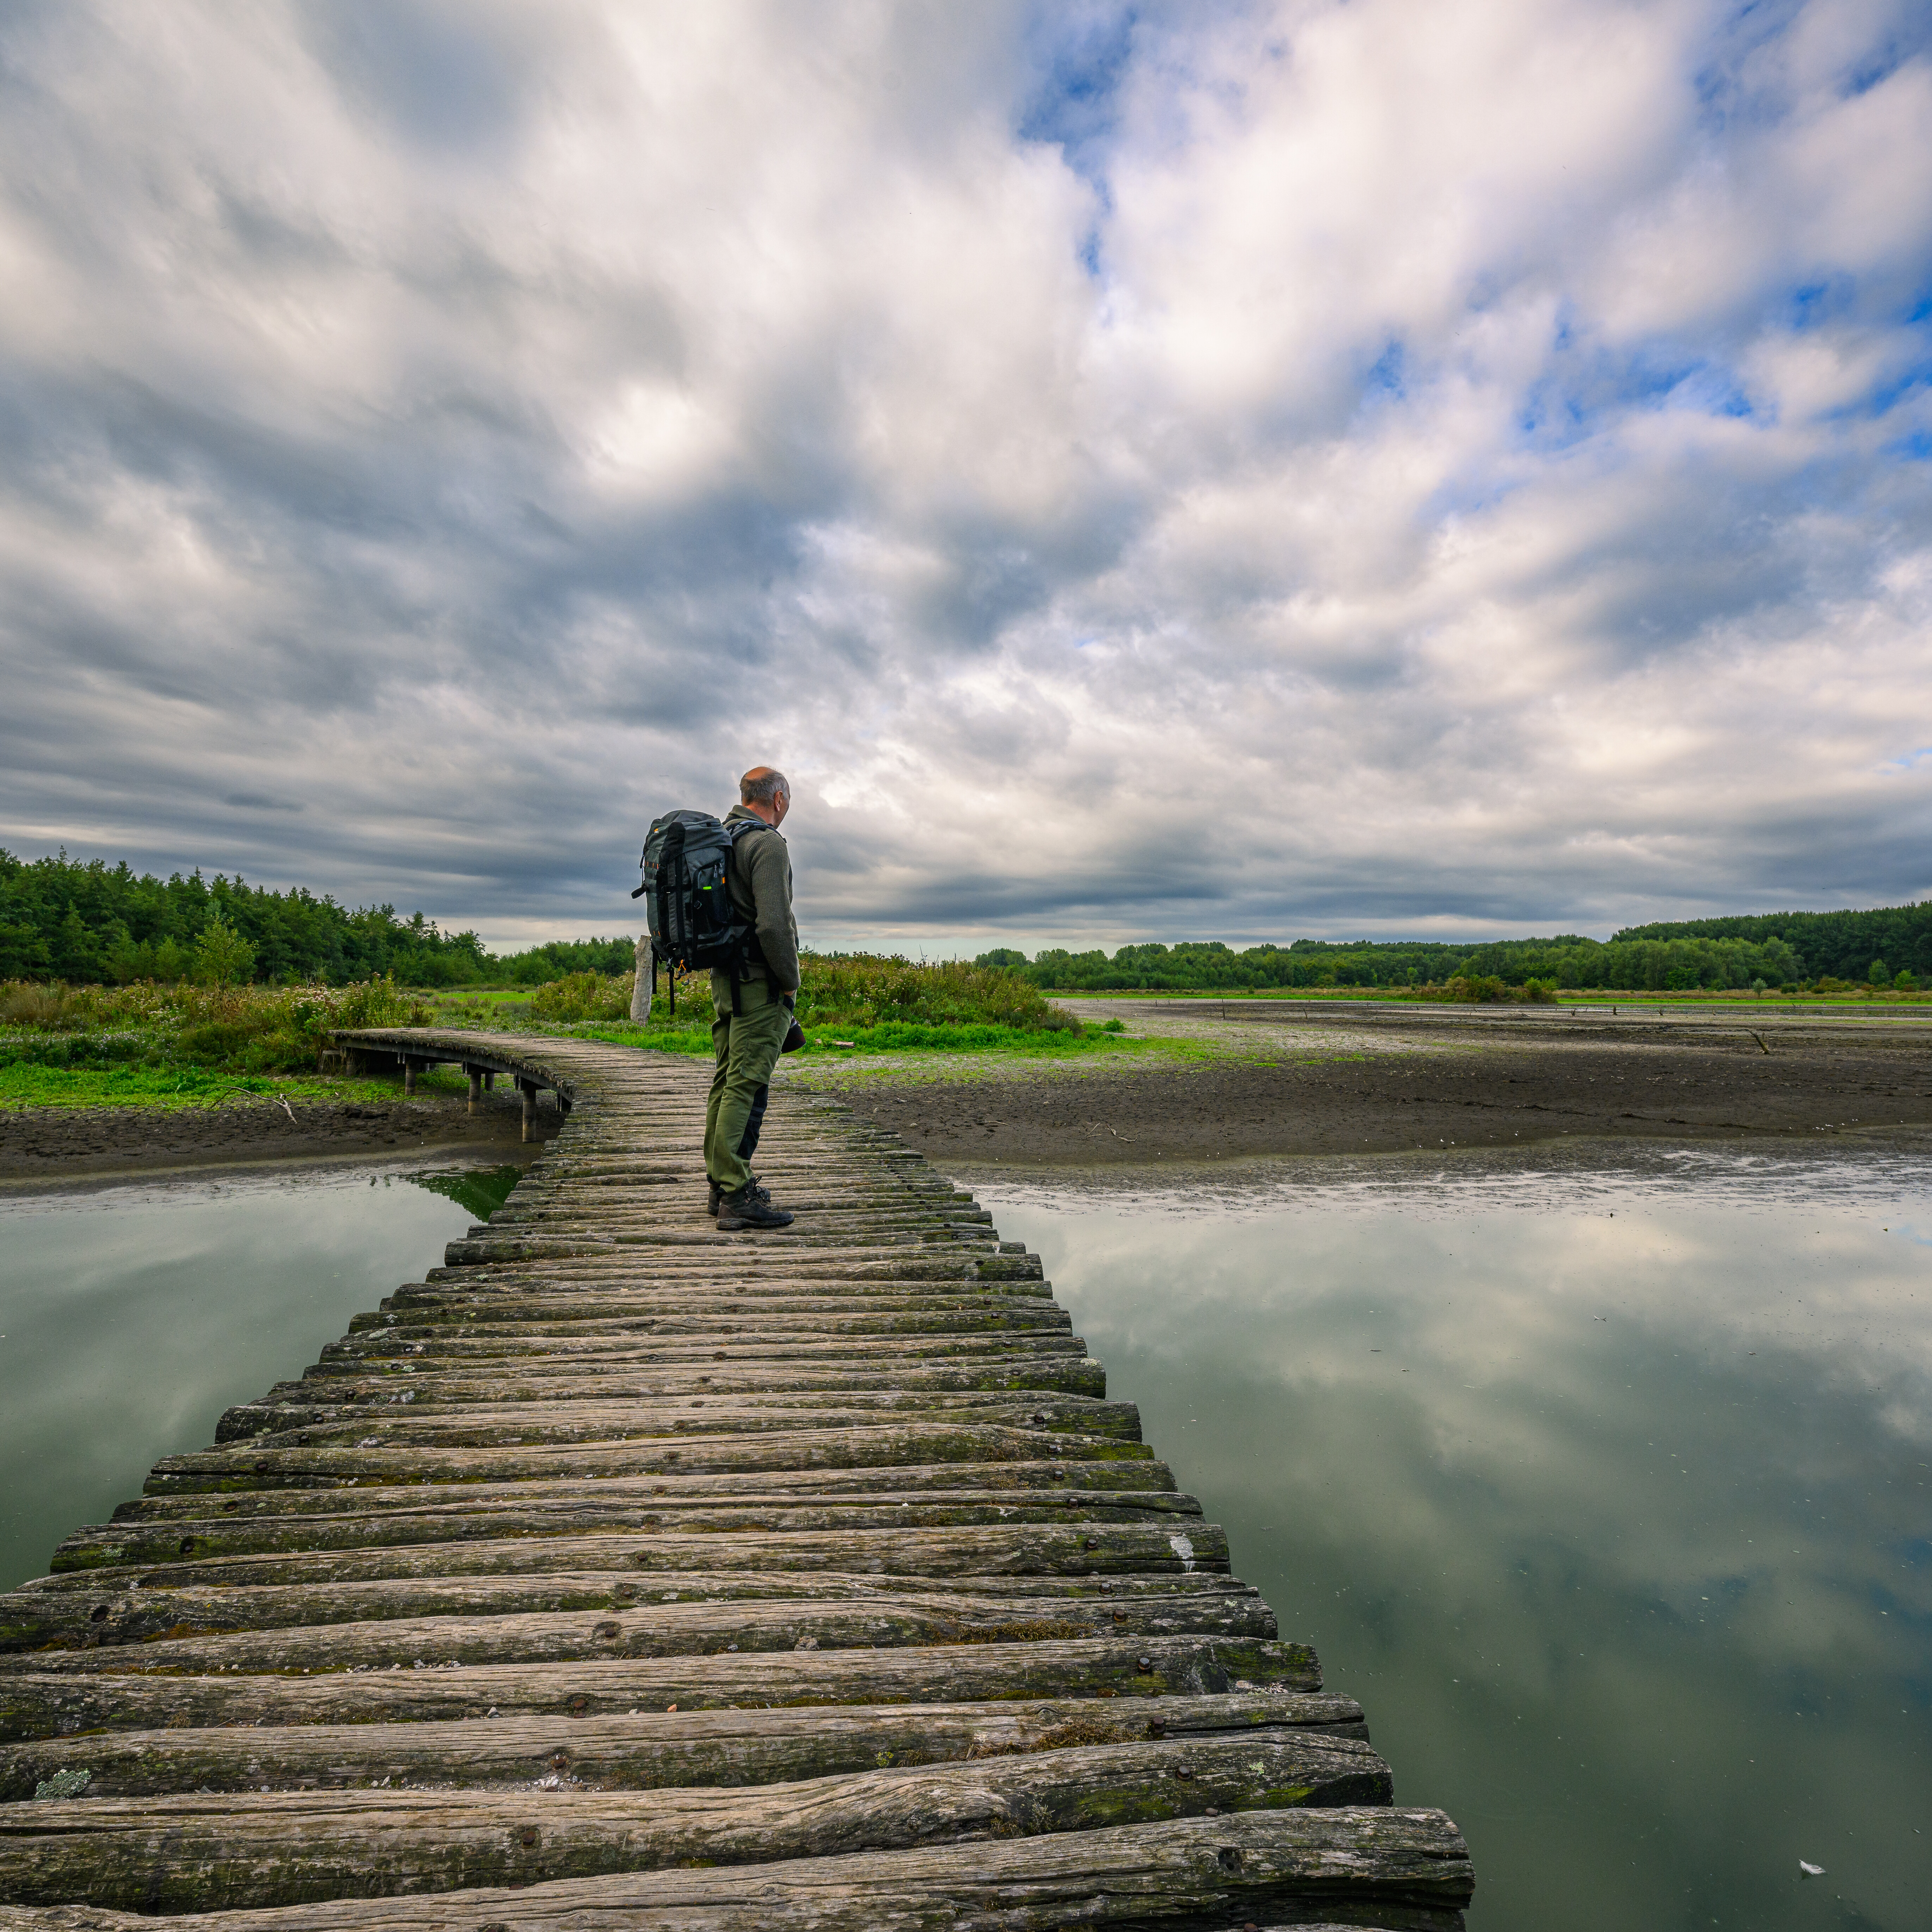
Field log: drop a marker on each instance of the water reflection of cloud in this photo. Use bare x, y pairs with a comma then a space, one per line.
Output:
1615, 1534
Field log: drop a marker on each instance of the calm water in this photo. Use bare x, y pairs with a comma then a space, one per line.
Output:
131, 1317
1607, 1493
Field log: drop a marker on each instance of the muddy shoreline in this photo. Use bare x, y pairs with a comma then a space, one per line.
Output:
68, 1143
1377, 1085
1255, 1083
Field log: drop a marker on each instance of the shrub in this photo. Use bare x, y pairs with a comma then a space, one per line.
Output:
215, 1042
1539, 992
262, 1029
585, 996
222, 957
1484, 987
857, 990
22, 1004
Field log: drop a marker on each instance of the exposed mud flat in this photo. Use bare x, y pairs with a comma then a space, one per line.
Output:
1374, 1083
56, 1142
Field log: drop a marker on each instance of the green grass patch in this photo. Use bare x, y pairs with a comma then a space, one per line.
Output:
893, 1037
24, 1084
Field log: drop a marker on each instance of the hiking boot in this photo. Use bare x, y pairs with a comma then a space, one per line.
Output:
759, 1190
744, 1209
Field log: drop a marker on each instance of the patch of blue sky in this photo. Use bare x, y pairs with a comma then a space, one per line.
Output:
1583, 393
1388, 373
1815, 304
1879, 64
1080, 54
1723, 96
1916, 448
1551, 419
1883, 397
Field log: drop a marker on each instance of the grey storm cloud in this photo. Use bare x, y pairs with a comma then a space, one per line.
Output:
1144, 472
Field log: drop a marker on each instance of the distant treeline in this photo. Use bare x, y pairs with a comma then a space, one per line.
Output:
1779, 949
95, 924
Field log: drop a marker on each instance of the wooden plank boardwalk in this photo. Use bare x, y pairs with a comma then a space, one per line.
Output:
624, 1574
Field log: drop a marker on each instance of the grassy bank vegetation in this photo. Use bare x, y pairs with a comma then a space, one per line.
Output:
853, 1002
188, 1044
177, 1045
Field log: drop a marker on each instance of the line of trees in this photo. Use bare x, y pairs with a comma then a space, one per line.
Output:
92, 923
1891, 947
95, 924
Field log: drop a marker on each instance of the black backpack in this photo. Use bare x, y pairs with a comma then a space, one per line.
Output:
687, 895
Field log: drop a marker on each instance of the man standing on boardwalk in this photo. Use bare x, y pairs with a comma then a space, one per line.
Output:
748, 1040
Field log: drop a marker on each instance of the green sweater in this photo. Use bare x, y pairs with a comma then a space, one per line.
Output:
761, 890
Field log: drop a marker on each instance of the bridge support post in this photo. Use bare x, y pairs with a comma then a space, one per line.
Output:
476, 1074
412, 1066
528, 1088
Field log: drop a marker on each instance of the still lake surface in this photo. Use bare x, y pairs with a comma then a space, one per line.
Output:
1605, 1487
131, 1317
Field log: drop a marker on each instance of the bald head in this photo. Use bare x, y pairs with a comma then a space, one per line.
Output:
766, 792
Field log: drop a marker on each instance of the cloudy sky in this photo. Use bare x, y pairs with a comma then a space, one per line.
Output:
1145, 472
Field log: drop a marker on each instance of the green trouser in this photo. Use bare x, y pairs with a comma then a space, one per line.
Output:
747, 1043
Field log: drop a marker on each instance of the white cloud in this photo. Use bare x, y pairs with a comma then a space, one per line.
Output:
1306, 468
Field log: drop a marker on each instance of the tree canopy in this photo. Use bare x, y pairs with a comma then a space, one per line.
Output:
89, 922
1779, 949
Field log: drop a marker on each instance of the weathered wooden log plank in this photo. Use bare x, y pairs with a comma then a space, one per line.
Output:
201, 1536
632, 1588
71, 1693
247, 1467
748, 1262
1383, 1866
861, 1220
699, 1296
735, 1307
577, 1300
365, 1352
645, 1316
542, 1382
188, 1852
909, 1480
1083, 1548
951, 1261
911, 1249
652, 1749
669, 1339
746, 1268
31, 1620
565, 1418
